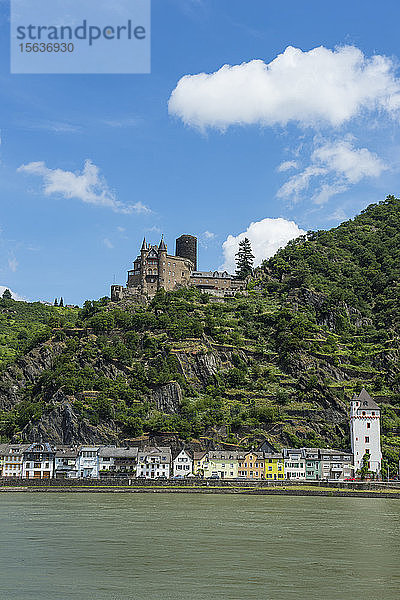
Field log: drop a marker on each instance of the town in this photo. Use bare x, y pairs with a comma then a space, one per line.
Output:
42, 460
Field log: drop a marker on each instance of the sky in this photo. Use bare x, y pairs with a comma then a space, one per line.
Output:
258, 118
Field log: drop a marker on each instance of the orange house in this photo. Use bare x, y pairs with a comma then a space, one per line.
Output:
251, 465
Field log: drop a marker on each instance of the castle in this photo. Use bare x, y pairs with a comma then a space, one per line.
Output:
154, 269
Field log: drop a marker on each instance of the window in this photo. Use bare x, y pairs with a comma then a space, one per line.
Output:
366, 439
368, 425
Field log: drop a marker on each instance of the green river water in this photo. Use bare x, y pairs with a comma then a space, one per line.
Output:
197, 547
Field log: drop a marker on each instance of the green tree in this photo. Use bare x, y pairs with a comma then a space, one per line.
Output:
55, 302
365, 465
244, 259
61, 302
7, 294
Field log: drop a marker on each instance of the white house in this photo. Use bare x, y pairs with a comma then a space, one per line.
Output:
182, 464
65, 462
12, 459
336, 464
295, 463
38, 461
88, 462
115, 461
153, 463
365, 431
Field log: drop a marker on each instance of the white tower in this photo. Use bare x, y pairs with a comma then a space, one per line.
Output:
365, 431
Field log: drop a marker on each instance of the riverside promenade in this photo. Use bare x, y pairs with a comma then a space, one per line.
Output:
357, 489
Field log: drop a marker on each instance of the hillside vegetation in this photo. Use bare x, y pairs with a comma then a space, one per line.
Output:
320, 321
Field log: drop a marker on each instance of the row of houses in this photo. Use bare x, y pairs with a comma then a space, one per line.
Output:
43, 461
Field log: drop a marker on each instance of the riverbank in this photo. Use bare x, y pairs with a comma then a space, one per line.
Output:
377, 491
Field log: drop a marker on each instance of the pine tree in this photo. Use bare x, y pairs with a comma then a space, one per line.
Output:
7, 294
61, 302
244, 259
56, 302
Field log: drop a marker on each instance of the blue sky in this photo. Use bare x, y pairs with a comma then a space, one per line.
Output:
303, 155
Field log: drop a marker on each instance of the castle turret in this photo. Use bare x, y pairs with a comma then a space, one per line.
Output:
162, 263
143, 257
365, 431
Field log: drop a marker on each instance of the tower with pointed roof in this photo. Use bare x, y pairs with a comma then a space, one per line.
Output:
365, 431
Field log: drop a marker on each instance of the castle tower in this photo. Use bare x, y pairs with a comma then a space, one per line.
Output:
162, 263
143, 256
186, 247
365, 431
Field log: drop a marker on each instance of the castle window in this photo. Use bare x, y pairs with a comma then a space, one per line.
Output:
368, 425
366, 439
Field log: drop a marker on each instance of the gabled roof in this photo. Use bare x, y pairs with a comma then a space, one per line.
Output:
161, 451
256, 453
33, 447
199, 455
179, 452
153, 253
113, 452
5, 449
67, 453
223, 454
365, 400
274, 455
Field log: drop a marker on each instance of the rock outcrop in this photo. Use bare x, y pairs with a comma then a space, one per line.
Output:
62, 425
168, 397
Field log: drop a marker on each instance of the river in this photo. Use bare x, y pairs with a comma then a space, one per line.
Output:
197, 547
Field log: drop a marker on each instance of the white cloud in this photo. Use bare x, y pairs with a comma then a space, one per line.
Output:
327, 190
88, 186
353, 164
286, 166
266, 237
318, 87
299, 182
335, 166
209, 235
337, 215
12, 264
14, 295
123, 122
108, 243
52, 126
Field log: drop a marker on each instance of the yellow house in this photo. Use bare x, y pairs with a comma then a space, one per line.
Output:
198, 466
274, 467
216, 463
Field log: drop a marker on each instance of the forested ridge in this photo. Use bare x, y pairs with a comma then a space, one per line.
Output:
321, 320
